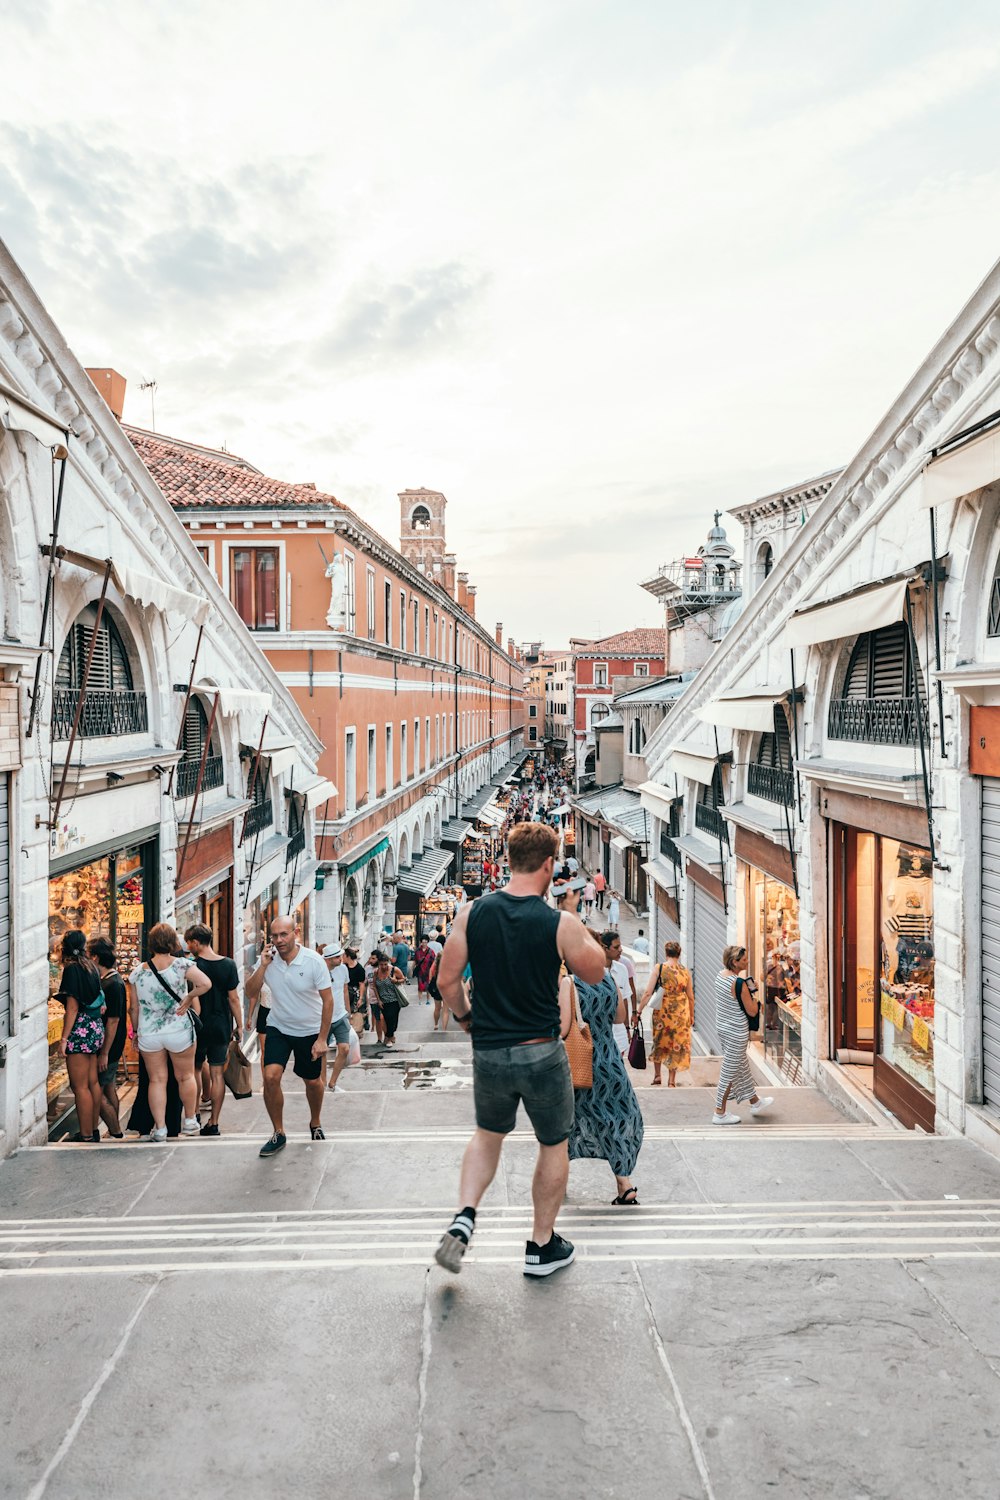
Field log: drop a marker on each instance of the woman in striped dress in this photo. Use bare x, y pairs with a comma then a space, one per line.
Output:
735, 1081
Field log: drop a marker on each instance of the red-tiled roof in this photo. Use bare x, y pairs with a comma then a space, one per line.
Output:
194, 478
640, 642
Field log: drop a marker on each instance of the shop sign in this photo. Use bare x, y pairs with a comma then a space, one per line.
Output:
756, 850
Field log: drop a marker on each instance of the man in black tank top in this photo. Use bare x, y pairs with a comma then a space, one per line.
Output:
516, 943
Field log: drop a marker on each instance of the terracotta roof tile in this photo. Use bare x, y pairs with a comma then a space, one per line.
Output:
194, 478
639, 642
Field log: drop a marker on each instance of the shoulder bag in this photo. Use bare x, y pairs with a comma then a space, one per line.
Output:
579, 1047
191, 1013
238, 1073
753, 1022
637, 1048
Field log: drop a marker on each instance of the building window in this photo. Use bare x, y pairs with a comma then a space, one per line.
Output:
350, 771
370, 602
388, 614
878, 702
769, 775
205, 553
195, 735
707, 814
350, 594
601, 674
254, 586
390, 779
532, 710
641, 669
427, 630
636, 738
532, 735
403, 749
416, 747
372, 765
427, 742
110, 707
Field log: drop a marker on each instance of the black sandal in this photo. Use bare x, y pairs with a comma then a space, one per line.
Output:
628, 1199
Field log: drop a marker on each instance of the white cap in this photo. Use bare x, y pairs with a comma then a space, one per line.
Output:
333, 950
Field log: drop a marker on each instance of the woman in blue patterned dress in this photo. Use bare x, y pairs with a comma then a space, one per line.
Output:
608, 1124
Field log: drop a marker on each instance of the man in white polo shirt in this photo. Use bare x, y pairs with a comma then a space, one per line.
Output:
340, 1025
298, 1023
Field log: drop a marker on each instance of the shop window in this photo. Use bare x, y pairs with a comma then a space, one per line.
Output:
878, 704
195, 735
707, 814
254, 586
111, 705
775, 963
769, 774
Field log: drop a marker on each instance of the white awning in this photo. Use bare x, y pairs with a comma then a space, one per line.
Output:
319, 793
147, 590
562, 811
19, 415
234, 701
283, 753
656, 798
849, 615
744, 710
492, 815
961, 472
695, 767
282, 760
621, 842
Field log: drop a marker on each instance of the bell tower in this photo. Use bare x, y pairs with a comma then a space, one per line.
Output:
422, 535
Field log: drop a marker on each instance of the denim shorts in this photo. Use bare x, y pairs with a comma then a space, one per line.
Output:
536, 1075
340, 1031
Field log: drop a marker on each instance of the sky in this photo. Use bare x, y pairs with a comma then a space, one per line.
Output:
592, 268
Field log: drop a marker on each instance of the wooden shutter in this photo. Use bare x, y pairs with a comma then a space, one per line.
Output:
889, 652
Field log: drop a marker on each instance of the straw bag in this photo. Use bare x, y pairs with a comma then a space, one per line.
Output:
580, 1047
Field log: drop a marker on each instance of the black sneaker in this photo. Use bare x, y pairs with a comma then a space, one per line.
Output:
274, 1145
542, 1260
209, 1130
316, 1131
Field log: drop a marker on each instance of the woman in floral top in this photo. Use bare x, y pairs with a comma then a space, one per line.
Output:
83, 1031
162, 993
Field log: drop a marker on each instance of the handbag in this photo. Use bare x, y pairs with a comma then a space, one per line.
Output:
238, 1073
353, 1050
196, 1020
400, 995
637, 1049
753, 1022
579, 1047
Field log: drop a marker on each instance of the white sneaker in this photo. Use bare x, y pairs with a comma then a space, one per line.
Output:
158, 1135
726, 1119
761, 1106
191, 1127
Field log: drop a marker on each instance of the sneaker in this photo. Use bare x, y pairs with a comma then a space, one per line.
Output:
316, 1132
450, 1253
159, 1135
542, 1260
191, 1127
726, 1119
274, 1145
761, 1106
210, 1130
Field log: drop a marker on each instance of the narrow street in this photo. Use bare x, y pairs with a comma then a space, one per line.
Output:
799, 1306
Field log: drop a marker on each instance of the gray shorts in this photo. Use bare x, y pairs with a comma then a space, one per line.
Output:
536, 1075
340, 1031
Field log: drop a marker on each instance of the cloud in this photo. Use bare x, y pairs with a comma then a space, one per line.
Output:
431, 311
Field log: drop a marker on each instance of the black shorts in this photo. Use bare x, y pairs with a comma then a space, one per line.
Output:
212, 1051
263, 1011
278, 1048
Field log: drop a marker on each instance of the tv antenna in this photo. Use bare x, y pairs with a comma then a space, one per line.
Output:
150, 386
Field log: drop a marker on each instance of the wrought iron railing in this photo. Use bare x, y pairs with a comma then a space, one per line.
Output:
105, 712
669, 849
710, 820
877, 721
186, 778
259, 817
772, 783
296, 845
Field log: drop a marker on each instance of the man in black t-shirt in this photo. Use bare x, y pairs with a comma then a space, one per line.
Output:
115, 1030
221, 1015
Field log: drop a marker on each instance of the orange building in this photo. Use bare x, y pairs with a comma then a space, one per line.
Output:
417, 705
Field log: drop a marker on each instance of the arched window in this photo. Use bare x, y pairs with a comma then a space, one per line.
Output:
765, 562
769, 774
707, 815
877, 704
111, 706
420, 519
260, 814
195, 735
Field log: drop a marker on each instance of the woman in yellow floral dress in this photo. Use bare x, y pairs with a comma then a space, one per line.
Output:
673, 1018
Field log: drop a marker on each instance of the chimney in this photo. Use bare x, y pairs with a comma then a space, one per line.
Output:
448, 573
512, 649
111, 386
470, 599
499, 634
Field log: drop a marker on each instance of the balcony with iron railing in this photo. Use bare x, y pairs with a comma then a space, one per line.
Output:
186, 778
259, 817
773, 783
105, 712
296, 845
669, 849
877, 721
710, 820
